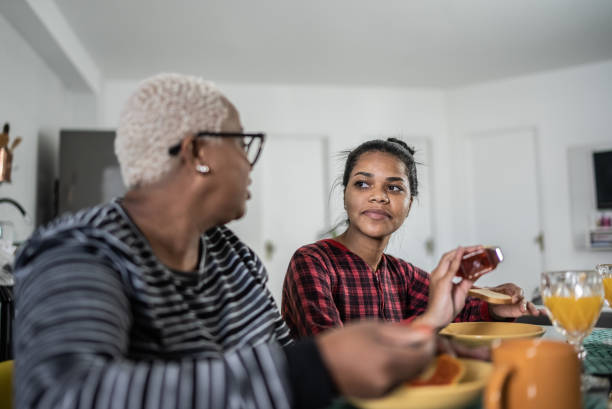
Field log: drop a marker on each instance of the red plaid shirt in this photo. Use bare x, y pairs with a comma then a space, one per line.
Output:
327, 284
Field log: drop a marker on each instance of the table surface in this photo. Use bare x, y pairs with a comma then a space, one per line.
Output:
598, 362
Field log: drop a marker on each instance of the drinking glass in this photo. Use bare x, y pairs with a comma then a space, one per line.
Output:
606, 276
574, 300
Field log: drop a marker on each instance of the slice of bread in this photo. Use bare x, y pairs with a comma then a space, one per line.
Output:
489, 296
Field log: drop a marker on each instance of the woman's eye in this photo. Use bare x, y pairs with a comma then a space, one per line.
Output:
395, 188
362, 184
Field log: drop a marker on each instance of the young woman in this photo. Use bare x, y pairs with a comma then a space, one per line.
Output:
334, 281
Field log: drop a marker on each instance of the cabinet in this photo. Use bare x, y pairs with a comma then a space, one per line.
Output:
600, 239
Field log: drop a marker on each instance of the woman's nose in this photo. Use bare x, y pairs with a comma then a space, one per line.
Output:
379, 196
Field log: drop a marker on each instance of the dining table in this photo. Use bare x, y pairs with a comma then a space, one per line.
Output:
596, 368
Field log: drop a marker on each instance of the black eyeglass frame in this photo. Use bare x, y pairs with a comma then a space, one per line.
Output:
175, 149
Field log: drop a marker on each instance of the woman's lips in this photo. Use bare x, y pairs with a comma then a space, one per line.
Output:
377, 214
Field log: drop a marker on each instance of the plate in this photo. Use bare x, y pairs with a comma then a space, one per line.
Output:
485, 333
436, 397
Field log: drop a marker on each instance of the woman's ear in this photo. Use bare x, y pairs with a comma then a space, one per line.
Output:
198, 152
188, 149
193, 153
194, 150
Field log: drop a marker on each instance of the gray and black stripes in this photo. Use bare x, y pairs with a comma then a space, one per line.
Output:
100, 323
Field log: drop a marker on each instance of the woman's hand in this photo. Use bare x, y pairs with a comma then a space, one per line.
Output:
446, 299
447, 346
368, 359
519, 306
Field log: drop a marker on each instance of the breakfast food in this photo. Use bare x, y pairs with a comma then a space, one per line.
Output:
492, 297
445, 370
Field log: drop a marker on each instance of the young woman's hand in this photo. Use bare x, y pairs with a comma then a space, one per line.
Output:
446, 299
519, 306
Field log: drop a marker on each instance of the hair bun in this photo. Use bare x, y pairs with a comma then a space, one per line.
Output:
403, 144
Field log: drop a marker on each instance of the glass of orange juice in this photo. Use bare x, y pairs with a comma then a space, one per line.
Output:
574, 300
606, 276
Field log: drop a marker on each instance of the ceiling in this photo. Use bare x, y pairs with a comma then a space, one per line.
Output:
429, 43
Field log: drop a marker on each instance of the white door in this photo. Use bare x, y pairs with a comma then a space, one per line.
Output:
295, 193
414, 241
504, 204
290, 203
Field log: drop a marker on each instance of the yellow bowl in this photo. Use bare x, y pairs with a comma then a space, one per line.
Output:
435, 397
485, 333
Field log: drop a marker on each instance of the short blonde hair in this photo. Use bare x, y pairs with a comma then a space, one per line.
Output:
162, 111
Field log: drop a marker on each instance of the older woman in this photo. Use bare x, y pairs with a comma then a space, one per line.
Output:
149, 301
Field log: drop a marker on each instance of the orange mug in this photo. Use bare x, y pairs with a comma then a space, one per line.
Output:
534, 373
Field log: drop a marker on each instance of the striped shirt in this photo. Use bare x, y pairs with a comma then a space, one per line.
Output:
101, 323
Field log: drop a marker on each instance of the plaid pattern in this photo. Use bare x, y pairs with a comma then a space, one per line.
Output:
326, 285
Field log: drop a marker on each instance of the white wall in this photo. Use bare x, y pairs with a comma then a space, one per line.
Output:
347, 115
567, 108
37, 105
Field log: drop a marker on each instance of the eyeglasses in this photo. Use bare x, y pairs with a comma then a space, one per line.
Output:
251, 143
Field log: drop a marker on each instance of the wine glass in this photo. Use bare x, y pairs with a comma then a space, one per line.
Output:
574, 300
606, 276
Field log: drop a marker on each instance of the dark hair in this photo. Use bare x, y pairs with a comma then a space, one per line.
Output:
392, 146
